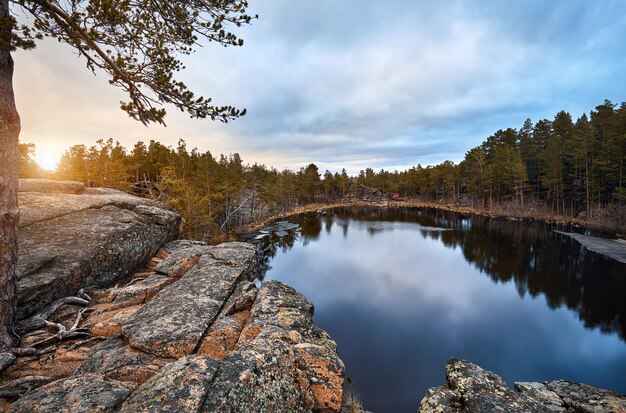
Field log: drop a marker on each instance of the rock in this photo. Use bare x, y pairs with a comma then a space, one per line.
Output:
209, 341
6, 359
259, 378
110, 322
180, 260
612, 248
179, 387
181, 244
542, 396
470, 389
62, 363
282, 313
367, 194
587, 399
222, 336
325, 374
284, 363
117, 361
173, 322
50, 186
139, 292
482, 390
441, 400
68, 242
83, 394
39, 207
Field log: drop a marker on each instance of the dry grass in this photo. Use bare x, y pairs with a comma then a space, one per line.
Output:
604, 220
352, 402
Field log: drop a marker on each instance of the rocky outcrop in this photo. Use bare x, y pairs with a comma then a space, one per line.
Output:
173, 323
87, 393
612, 248
469, 389
191, 332
49, 186
367, 194
72, 237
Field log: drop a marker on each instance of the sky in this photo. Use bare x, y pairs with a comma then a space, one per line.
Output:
352, 83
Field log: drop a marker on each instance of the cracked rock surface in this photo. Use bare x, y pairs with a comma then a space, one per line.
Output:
72, 237
469, 388
192, 332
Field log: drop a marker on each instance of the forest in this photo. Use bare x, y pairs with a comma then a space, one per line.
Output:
558, 167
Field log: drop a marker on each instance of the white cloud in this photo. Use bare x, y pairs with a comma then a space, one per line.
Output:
347, 83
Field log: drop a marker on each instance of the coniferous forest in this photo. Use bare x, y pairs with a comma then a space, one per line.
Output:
560, 167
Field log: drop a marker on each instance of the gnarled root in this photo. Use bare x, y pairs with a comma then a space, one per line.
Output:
39, 321
18, 387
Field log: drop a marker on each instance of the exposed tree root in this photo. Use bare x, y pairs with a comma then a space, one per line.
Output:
26, 380
86, 341
133, 281
16, 388
6, 359
40, 320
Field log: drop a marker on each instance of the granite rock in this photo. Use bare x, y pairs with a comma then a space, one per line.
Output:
174, 321
84, 394
70, 241
470, 388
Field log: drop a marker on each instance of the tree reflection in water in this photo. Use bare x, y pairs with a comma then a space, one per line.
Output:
529, 253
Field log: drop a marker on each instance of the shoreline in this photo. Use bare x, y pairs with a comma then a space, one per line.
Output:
497, 214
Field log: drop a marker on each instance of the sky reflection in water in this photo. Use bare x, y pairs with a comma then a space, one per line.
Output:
400, 297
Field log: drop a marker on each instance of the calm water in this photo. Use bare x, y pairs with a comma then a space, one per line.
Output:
403, 290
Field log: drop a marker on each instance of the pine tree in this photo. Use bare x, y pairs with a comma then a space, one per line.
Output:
137, 45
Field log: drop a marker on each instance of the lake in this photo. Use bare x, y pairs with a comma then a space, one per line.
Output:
402, 290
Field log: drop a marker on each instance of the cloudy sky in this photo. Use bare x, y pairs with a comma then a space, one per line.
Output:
353, 83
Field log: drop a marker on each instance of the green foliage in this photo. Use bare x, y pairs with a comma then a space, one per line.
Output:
568, 167
28, 166
212, 195
137, 43
105, 164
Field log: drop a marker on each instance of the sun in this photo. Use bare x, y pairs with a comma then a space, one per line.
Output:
48, 155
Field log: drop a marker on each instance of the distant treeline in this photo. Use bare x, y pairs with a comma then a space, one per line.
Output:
563, 165
559, 166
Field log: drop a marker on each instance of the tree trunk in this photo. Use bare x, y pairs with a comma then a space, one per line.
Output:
9, 213
587, 189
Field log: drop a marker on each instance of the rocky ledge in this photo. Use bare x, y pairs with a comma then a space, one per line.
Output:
190, 332
469, 389
72, 237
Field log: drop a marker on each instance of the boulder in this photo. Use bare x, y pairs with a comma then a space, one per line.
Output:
367, 194
260, 377
469, 389
115, 360
197, 335
579, 397
50, 186
83, 394
70, 241
174, 321
179, 387
281, 314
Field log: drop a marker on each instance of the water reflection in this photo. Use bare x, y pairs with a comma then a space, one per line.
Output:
401, 291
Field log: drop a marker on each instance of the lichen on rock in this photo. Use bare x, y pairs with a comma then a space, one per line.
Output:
192, 332
472, 389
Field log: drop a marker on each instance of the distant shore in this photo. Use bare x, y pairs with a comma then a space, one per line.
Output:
497, 212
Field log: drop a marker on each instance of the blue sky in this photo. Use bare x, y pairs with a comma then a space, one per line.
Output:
349, 83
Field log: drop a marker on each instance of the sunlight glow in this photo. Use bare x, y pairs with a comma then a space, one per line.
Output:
48, 155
